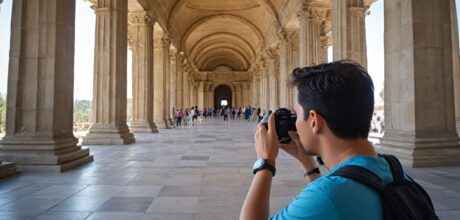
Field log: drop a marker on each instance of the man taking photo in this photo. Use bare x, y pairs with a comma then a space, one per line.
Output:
334, 109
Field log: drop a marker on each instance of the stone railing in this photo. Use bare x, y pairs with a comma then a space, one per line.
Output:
81, 126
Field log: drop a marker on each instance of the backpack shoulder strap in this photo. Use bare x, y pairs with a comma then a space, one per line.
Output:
396, 168
361, 175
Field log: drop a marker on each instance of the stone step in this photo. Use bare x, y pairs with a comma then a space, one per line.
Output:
7, 169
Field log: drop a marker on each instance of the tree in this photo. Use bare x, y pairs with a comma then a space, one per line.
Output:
82, 111
2, 113
382, 93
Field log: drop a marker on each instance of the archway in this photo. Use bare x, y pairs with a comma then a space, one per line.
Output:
222, 93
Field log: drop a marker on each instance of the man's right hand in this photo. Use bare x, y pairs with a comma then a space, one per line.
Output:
296, 150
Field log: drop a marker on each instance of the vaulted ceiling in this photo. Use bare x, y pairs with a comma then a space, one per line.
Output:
214, 33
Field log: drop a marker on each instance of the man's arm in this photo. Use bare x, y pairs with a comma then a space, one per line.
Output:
257, 203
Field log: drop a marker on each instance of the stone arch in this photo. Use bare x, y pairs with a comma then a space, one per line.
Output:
220, 35
203, 20
266, 4
222, 92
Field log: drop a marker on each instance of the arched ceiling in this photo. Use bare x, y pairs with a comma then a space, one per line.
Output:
214, 33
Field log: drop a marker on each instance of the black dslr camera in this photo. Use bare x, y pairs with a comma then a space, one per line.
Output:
284, 122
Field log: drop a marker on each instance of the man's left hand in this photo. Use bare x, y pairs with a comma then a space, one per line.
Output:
266, 141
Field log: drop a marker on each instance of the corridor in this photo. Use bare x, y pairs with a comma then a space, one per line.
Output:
192, 173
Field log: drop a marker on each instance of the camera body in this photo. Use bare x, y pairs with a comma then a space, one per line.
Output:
284, 122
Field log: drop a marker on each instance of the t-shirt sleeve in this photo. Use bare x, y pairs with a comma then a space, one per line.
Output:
311, 203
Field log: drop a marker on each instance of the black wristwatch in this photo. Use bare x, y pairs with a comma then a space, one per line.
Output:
261, 164
312, 171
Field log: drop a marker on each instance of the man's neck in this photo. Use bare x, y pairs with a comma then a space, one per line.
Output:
339, 150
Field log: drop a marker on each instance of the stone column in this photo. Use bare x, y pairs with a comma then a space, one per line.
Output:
349, 30
311, 16
140, 37
166, 43
179, 84
161, 45
273, 81
419, 100
186, 90
200, 94
256, 89
264, 86
246, 94
173, 83
455, 61
209, 95
39, 122
284, 68
109, 87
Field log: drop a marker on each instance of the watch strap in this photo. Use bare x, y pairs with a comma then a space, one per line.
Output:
312, 171
267, 166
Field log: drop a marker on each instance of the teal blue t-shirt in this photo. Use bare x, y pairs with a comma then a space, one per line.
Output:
334, 197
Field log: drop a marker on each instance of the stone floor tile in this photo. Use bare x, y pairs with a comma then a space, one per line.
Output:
185, 205
126, 204
63, 215
16, 215
82, 203
172, 216
115, 216
180, 191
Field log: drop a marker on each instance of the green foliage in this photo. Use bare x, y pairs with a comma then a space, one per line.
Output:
82, 111
2, 113
382, 92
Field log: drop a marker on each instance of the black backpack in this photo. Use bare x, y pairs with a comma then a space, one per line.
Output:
401, 199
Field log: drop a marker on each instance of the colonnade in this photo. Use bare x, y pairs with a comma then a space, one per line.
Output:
421, 69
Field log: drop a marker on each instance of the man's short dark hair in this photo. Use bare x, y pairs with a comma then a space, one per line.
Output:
341, 91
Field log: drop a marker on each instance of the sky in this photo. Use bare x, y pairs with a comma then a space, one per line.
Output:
84, 48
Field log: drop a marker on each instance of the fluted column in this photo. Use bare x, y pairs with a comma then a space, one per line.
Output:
265, 90
273, 80
311, 16
179, 81
349, 30
110, 77
419, 100
172, 82
256, 89
186, 90
140, 38
209, 96
39, 122
455, 61
166, 43
284, 68
161, 44
245, 93
200, 95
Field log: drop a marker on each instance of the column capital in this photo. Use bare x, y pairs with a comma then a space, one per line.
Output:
313, 11
132, 37
165, 41
140, 18
284, 36
358, 11
173, 55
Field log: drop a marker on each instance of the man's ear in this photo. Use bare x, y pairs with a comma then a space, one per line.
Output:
317, 121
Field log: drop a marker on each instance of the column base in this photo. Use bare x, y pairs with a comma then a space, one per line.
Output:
429, 151
458, 125
143, 127
171, 122
102, 134
42, 154
7, 169
163, 124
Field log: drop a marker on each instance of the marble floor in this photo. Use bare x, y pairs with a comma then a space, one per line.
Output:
189, 173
